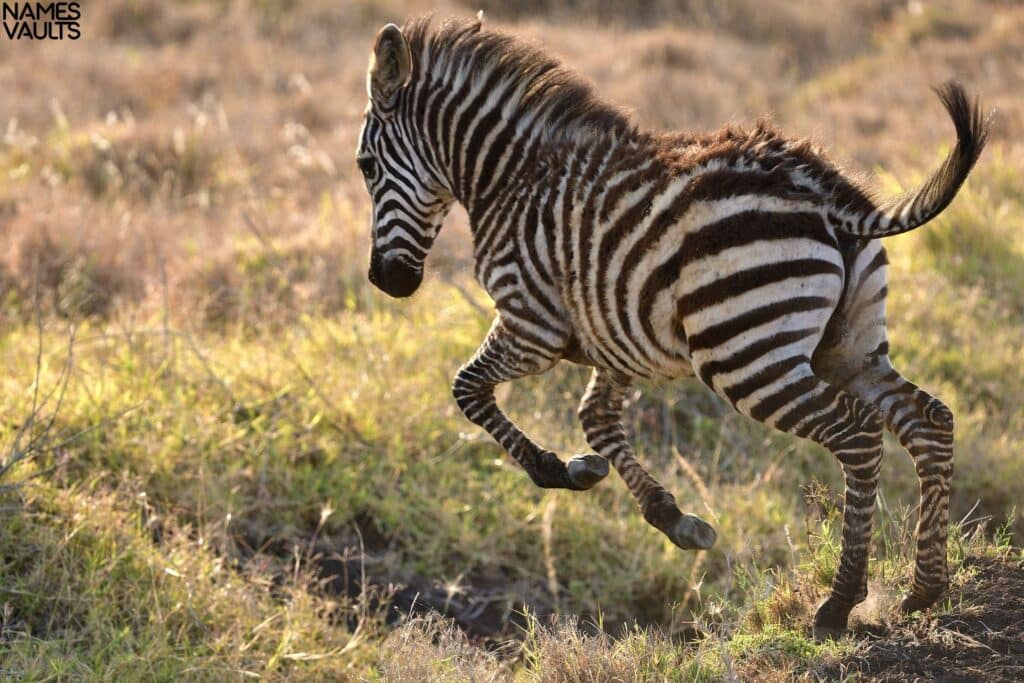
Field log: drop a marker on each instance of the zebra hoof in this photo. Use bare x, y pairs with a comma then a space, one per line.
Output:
690, 532
830, 621
915, 603
586, 470
823, 632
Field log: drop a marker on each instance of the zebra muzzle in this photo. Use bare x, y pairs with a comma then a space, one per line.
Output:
394, 276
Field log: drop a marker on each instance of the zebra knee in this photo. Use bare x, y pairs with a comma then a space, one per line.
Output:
472, 398
930, 442
938, 414
923, 416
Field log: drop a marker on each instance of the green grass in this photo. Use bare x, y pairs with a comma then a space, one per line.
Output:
124, 554
240, 400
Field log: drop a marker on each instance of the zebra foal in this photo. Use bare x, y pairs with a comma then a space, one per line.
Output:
742, 257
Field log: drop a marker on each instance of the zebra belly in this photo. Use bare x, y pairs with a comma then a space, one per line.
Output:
611, 354
630, 323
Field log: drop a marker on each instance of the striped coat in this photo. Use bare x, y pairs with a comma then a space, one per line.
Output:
742, 257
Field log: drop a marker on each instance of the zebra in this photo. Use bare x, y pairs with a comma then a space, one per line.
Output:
741, 257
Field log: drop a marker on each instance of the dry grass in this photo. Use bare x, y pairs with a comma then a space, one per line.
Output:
178, 187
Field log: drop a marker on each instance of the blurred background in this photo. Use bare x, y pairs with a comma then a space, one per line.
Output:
221, 450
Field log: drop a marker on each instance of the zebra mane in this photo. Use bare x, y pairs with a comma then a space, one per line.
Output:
568, 101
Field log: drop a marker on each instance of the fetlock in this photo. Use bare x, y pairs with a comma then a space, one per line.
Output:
922, 597
547, 470
660, 510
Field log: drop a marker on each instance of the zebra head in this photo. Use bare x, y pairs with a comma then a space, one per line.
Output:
410, 197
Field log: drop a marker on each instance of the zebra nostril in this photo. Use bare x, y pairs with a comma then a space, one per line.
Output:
375, 263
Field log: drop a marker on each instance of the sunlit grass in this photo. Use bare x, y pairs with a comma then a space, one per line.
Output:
249, 438
179, 450
240, 401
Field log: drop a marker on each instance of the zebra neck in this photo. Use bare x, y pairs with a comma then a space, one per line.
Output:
530, 212
524, 180
487, 141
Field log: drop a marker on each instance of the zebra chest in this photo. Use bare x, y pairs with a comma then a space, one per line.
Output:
524, 293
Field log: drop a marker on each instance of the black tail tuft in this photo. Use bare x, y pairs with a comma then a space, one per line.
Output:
972, 128
919, 206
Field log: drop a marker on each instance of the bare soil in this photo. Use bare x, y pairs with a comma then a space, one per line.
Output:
982, 639
488, 606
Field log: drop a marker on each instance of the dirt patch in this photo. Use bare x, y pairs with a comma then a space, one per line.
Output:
488, 606
982, 640
488, 609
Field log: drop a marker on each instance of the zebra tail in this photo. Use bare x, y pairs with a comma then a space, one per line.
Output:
915, 208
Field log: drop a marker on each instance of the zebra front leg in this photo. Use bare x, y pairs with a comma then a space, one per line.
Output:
601, 414
503, 357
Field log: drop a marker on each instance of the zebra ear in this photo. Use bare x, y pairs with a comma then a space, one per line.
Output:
390, 64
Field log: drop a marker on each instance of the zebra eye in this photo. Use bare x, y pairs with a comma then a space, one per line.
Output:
368, 165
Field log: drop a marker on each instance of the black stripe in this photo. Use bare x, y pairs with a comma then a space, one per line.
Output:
767, 406
813, 403
422, 240
447, 122
486, 232
402, 243
749, 354
747, 227
475, 147
501, 143
718, 334
879, 260
762, 378
461, 126
746, 280
880, 350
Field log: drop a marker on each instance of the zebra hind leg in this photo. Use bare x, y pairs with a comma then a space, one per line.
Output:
924, 427
855, 356
601, 415
798, 402
501, 358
